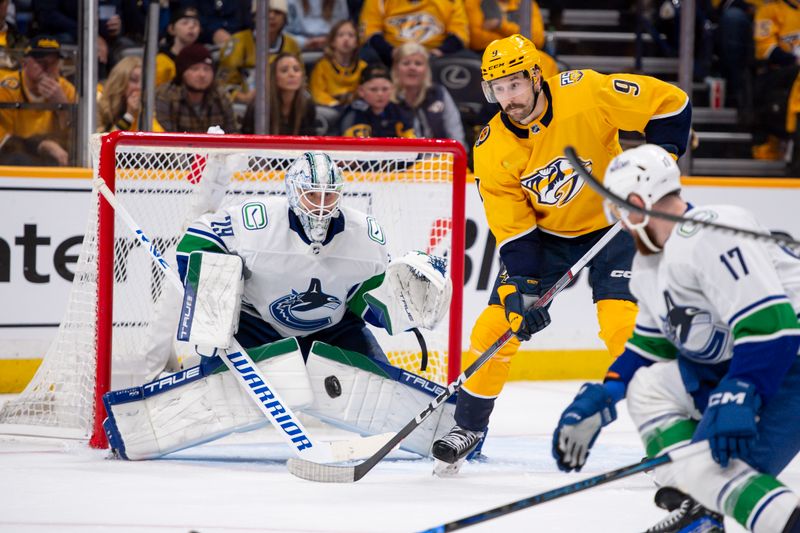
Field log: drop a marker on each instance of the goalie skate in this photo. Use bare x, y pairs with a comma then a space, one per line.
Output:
686, 515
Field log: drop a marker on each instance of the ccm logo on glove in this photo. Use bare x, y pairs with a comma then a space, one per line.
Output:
722, 398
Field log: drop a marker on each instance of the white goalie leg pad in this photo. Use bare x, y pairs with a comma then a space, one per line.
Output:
416, 292
211, 300
360, 394
200, 404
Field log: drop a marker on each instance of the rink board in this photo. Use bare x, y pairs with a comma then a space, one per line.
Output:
45, 216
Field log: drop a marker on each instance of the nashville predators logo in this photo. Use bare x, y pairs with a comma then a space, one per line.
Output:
556, 183
417, 27
484, 134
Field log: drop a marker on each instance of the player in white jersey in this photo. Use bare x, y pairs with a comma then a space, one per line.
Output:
308, 261
714, 356
294, 280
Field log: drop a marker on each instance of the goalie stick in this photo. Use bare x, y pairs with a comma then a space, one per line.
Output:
572, 488
595, 184
348, 474
250, 378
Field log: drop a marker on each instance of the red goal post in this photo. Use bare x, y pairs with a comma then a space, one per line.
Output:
414, 187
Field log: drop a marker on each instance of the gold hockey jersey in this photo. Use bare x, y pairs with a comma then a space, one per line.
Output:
524, 178
332, 84
777, 24
426, 22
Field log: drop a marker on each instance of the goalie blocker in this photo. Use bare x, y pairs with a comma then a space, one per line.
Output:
204, 403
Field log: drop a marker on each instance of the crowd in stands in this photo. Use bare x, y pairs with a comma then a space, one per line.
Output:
337, 67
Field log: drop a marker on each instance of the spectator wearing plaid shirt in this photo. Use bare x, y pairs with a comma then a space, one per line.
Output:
193, 102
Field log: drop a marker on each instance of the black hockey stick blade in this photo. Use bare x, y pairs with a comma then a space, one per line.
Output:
326, 473
598, 187
572, 488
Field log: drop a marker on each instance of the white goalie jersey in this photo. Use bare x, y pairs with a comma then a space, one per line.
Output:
709, 292
288, 286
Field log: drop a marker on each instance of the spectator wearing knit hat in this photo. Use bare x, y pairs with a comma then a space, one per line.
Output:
237, 59
193, 102
183, 30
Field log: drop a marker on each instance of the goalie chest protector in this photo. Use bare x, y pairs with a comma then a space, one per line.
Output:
286, 284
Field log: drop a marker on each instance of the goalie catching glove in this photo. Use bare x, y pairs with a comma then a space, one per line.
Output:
518, 295
415, 292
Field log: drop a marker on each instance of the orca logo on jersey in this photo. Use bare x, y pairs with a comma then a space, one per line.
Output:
286, 308
556, 183
692, 330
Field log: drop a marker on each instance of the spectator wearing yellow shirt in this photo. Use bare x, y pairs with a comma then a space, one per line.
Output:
37, 133
495, 19
183, 30
441, 26
777, 44
237, 58
334, 80
10, 39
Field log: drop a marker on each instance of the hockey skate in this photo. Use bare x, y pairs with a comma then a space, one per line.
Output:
686, 515
453, 449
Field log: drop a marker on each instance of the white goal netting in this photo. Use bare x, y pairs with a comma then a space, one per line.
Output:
413, 187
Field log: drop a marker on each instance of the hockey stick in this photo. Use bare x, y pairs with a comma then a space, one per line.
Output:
572, 488
595, 184
348, 474
248, 375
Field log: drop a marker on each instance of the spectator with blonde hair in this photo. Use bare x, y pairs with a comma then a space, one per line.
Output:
291, 109
334, 80
434, 112
120, 103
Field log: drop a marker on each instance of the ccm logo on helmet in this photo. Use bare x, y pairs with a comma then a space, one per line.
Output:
621, 274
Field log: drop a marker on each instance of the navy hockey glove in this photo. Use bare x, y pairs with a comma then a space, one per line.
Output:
729, 422
579, 425
518, 294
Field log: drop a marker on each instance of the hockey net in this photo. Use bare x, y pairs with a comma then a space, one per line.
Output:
121, 318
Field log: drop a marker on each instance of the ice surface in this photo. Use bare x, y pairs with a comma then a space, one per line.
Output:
240, 484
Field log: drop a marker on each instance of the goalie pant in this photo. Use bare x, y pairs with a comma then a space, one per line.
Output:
204, 403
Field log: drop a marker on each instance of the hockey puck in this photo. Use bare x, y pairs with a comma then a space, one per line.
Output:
333, 387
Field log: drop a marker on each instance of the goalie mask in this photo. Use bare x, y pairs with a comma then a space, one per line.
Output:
647, 171
314, 187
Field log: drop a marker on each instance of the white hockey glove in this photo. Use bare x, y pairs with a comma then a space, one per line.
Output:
416, 292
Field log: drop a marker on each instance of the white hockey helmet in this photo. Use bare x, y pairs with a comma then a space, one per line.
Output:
647, 171
314, 186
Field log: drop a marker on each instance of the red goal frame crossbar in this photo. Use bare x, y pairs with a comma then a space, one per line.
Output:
105, 233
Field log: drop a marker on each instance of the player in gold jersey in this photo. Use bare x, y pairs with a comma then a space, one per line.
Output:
541, 213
